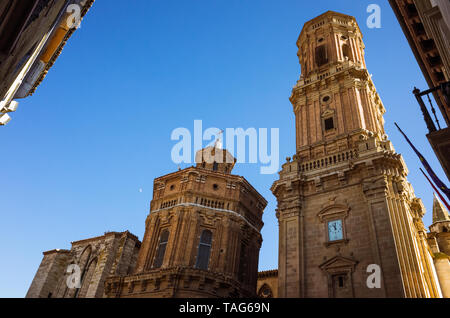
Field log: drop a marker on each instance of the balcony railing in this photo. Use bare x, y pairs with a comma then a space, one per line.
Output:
328, 161
439, 137
443, 89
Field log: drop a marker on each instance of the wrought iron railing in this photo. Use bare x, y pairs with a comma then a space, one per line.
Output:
444, 90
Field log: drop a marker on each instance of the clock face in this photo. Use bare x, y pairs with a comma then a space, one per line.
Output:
335, 230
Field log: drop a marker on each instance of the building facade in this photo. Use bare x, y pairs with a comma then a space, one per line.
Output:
426, 25
202, 236
96, 259
345, 208
32, 36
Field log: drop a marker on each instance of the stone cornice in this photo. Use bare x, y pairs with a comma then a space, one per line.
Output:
269, 273
308, 29
357, 77
102, 237
229, 177
143, 282
56, 251
232, 213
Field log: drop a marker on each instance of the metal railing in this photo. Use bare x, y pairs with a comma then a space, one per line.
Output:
432, 125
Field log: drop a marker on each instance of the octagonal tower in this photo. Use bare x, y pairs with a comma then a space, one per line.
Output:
202, 236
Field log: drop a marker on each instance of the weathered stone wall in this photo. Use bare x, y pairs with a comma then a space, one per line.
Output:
46, 280
99, 257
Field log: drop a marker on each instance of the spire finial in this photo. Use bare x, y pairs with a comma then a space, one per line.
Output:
440, 213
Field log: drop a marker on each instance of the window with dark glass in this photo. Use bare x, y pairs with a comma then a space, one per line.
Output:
329, 124
204, 250
321, 55
215, 166
341, 281
164, 238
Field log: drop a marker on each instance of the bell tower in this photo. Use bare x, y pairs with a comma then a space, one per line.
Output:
345, 208
335, 95
321, 45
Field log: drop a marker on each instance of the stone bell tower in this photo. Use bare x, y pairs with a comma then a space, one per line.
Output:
344, 204
202, 236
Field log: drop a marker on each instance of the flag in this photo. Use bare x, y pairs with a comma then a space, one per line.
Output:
427, 167
436, 190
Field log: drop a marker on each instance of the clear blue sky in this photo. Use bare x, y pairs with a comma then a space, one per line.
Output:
98, 129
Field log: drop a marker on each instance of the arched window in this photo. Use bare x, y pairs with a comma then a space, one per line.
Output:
63, 288
87, 279
164, 238
204, 250
83, 263
265, 292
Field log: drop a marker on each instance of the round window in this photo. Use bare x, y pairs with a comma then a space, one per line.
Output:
326, 99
